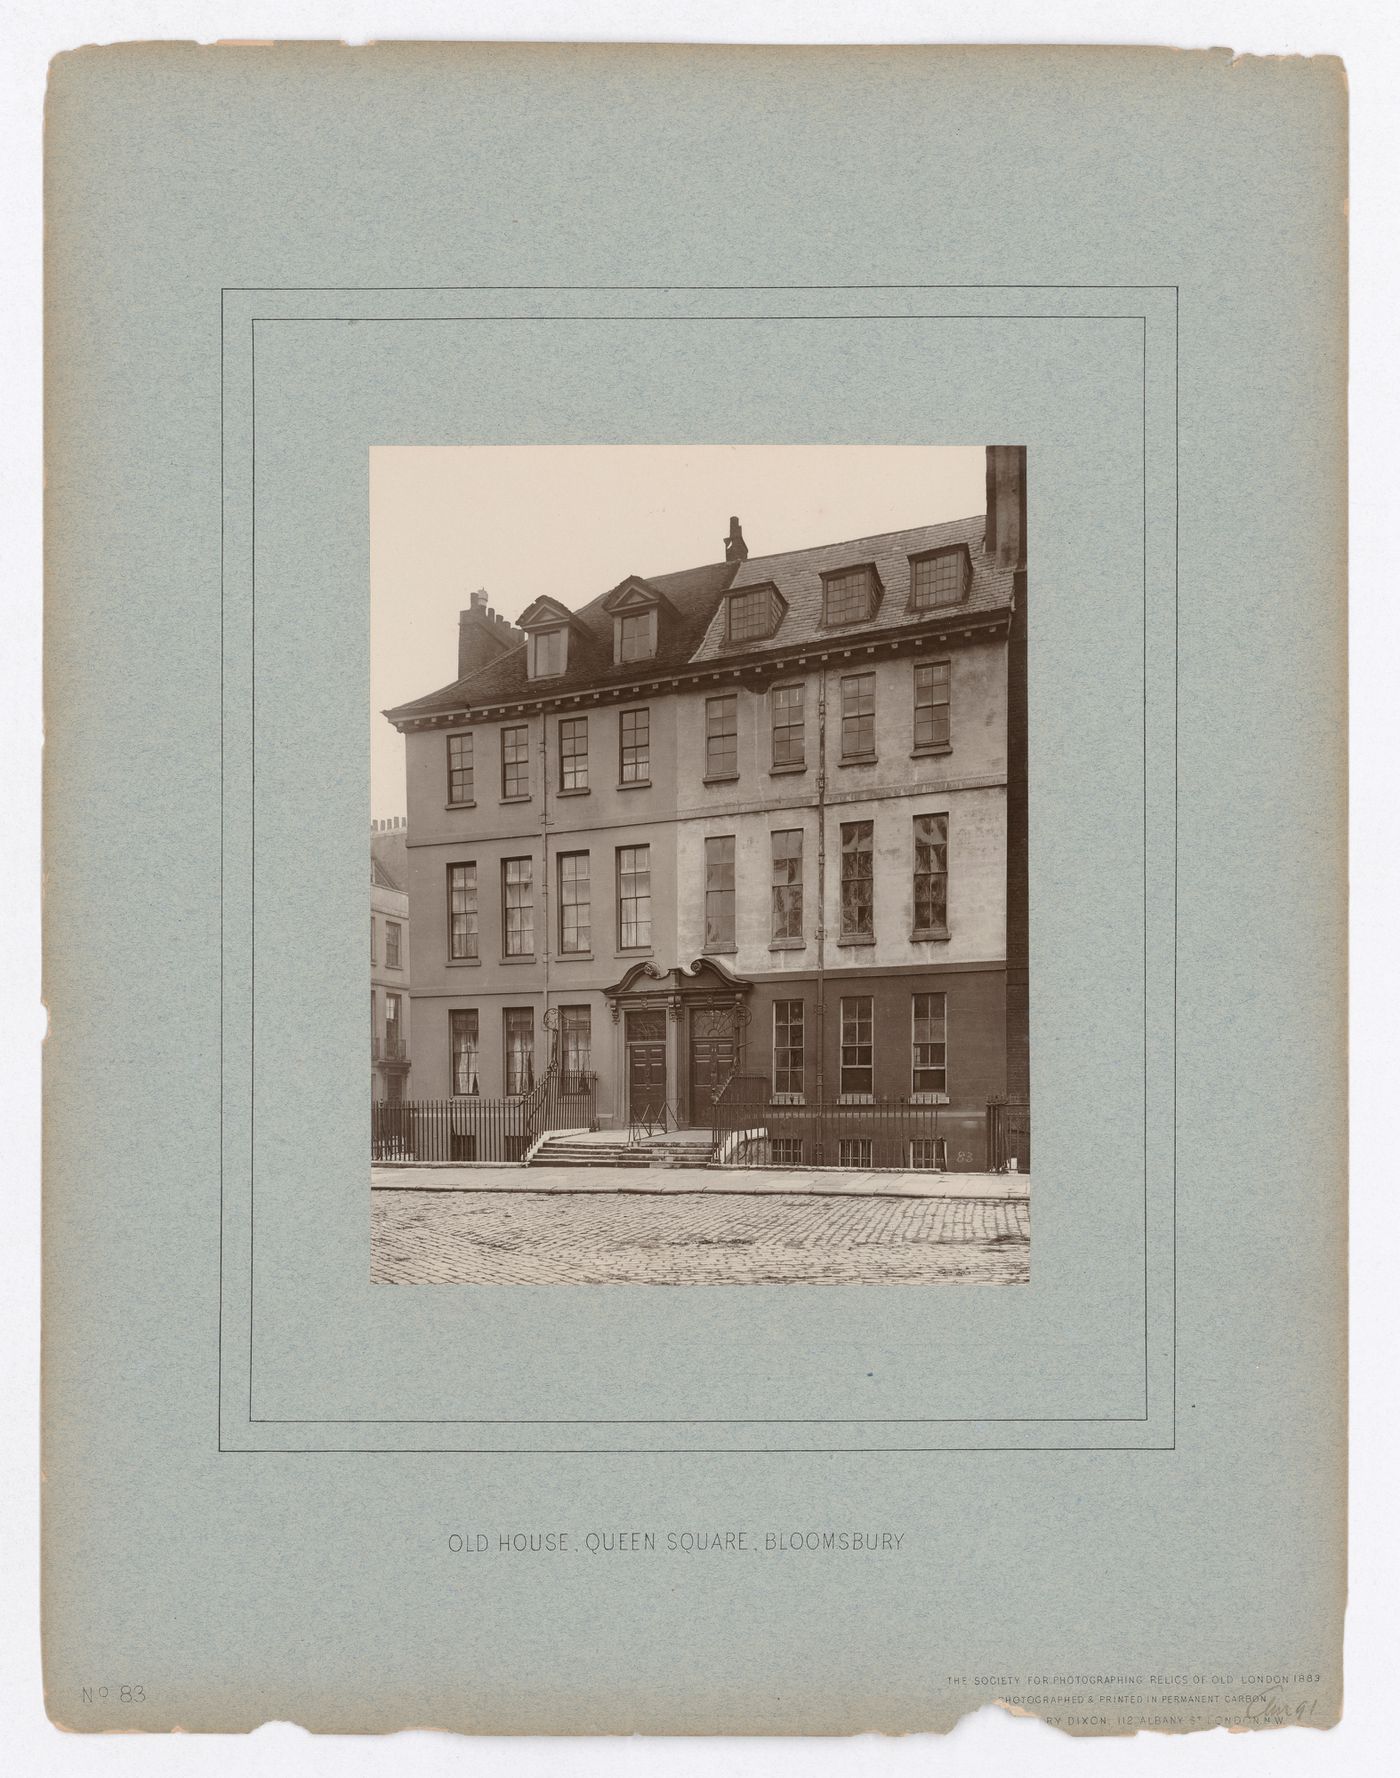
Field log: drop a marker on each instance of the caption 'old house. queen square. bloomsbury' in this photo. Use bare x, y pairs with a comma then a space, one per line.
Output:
754, 828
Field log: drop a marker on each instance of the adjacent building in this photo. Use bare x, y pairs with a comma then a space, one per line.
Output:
389, 1001
766, 815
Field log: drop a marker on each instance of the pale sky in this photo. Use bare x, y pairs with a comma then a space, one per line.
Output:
574, 520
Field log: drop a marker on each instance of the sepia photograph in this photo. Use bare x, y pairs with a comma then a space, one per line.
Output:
699, 925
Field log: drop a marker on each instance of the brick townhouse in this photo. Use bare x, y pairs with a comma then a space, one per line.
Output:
767, 815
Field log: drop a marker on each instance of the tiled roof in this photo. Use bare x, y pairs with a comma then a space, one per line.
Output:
694, 597
797, 574
693, 630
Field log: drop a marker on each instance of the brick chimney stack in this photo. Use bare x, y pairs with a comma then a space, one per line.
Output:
1005, 538
482, 635
735, 549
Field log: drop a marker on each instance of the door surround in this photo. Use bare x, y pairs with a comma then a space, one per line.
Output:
677, 991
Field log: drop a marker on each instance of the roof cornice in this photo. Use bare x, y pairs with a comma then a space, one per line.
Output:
949, 626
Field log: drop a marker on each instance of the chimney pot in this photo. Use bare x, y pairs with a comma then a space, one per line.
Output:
735, 549
479, 599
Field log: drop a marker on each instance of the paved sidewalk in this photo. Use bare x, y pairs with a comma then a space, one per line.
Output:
710, 1181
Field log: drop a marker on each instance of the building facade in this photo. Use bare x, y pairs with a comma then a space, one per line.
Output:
390, 1004
750, 818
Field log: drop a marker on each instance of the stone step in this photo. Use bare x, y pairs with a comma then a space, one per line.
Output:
593, 1147
573, 1160
571, 1152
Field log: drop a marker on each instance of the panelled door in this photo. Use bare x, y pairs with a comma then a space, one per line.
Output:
711, 1057
646, 1066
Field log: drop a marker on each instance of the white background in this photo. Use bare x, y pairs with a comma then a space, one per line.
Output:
1367, 36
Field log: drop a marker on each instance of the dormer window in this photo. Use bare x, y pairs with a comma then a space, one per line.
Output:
752, 614
939, 577
546, 627
637, 611
849, 595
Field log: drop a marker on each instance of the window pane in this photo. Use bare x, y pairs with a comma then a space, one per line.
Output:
847, 597
634, 738
576, 1061
515, 761
464, 1052
938, 580
518, 898
750, 614
787, 883
520, 1049
857, 1044
549, 652
463, 922
459, 769
719, 892
857, 715
633, 897
930, 873
788, 1046
857, 879
930, 1051
932, 704
573, 753
722, 737
636, 637
788, 726
575, 907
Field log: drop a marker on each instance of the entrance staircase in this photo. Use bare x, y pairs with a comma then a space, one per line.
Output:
610, 1148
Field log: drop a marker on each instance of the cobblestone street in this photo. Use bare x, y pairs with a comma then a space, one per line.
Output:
526, 1237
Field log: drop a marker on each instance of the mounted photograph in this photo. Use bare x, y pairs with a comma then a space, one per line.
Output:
699, 919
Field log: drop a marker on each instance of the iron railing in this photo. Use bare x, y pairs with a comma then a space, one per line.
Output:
652, 1118
751, 1128
469, 1128
1008, 1135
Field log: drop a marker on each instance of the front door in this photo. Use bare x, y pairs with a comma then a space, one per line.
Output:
646, 1082
711, 1058
646, 1066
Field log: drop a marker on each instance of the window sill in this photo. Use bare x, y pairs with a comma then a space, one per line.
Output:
787, 944
470, 805
634, 951
864, 938
926, 752
859, 759
720, 778
512, 960
636, 784
720, 951
928, 1099
585, 791
934, 935
514, 799
855, 1098
788, 1099
464, 963
574, 957
783, 771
